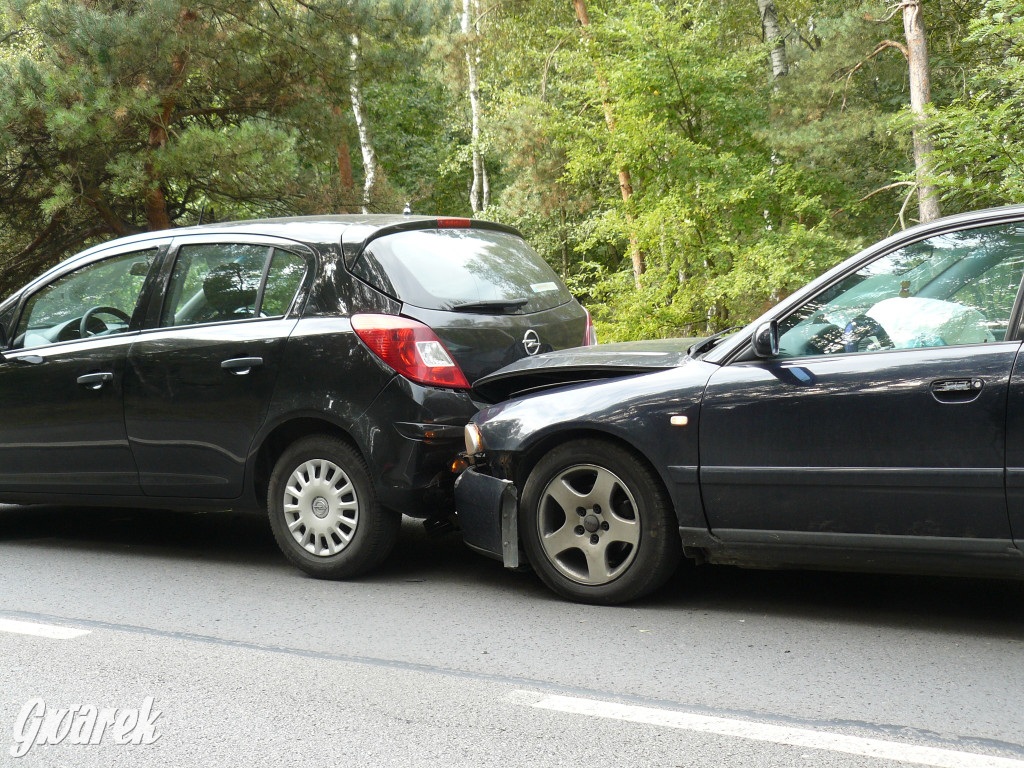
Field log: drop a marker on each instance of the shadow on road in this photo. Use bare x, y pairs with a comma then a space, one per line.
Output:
979, 607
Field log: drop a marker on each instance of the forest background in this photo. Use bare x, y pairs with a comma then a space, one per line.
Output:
682, 164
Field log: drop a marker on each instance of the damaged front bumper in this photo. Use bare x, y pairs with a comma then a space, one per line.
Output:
488, 512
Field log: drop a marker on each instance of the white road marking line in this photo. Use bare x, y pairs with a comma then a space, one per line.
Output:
778, 734
41, 630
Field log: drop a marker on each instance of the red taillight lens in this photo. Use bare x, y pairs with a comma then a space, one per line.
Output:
411, 348
589, 334
454, 223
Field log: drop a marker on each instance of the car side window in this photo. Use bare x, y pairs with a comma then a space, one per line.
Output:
96, 300
215, 282
951, 289
283, 281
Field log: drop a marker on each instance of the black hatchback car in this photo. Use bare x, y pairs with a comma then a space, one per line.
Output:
872, 421
318, 367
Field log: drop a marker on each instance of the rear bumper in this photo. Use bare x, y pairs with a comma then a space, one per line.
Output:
488, 511
412, 434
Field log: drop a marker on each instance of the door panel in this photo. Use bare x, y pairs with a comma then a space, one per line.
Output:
191, 407
61, 436
883, 443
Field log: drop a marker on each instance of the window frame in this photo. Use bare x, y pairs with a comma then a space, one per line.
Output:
155, 313
742, 350
83, 261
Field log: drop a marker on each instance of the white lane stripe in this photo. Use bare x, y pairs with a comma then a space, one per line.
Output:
41, 630
778, 734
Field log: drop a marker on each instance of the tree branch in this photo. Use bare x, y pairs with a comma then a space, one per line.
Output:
888, 186
878, 49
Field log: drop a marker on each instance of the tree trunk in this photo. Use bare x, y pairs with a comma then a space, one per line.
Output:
920, 94
625, 181
346, 179
773, 36
365, 142
480, 192
157, 216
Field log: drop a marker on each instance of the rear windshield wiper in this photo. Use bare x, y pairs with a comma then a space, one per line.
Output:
495, 305
704, 345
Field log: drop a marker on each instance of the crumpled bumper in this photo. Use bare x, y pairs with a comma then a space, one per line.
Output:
488, 510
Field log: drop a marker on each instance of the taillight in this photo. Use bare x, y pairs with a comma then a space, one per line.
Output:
454, 223
411, 348
589, 334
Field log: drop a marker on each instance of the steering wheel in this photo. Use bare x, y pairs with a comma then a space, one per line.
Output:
83, 325
859, 332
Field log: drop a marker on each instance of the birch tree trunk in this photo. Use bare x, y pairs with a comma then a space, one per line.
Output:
362, 126
920, 94
625, 181
773, 36
480, 192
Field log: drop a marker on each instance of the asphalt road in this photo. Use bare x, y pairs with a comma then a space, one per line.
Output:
442, 658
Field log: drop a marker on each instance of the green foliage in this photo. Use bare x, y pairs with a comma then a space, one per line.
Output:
120, 116
980, 155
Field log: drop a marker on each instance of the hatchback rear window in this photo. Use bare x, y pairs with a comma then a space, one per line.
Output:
472, 270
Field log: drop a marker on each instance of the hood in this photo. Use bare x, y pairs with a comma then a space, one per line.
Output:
581, 364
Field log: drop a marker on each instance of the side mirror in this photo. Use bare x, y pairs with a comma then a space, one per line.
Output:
766, 339
139, 269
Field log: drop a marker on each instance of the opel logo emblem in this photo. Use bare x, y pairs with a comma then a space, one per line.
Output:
531, 342
321, 507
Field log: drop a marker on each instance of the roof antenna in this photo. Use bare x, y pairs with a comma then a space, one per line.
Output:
202, 211
408, 209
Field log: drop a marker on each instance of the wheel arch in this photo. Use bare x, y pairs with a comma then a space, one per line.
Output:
275, 442
536, 450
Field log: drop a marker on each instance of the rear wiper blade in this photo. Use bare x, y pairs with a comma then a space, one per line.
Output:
498, 305
705, 344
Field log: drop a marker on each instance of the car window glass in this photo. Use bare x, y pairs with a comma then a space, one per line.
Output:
283, 281
7, 318
96, 300
214, 283
955, 288
443, 269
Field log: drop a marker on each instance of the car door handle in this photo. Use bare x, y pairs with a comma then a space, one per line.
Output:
957, 390
95, 380
240, 366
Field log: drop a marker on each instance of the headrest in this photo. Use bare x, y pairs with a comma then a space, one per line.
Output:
230, 287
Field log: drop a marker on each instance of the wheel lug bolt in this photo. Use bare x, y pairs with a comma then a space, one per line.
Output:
605, 526
594, 539
579, 530
597, 509
581, 511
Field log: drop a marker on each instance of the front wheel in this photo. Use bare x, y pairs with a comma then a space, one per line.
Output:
324, 512
597, 524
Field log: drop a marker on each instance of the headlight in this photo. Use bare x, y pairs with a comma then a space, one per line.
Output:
474, 440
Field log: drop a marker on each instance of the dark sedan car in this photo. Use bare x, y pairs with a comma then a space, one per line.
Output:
872, 421
319, 367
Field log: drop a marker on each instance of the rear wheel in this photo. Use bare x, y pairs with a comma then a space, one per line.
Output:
597, 524
323, 510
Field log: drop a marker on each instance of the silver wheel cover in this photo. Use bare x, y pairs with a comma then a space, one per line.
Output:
589, 524
321, 508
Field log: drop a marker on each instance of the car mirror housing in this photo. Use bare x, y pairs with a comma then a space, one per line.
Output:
766, 339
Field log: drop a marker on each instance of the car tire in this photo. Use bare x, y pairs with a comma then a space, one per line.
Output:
617, 541
324, 513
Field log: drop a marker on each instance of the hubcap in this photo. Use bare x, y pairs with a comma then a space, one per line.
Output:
601, 546
321, 508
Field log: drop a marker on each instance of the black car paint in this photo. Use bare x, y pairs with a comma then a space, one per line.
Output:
175, 426
908, 479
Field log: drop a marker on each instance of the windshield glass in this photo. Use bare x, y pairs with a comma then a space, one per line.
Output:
482, 270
